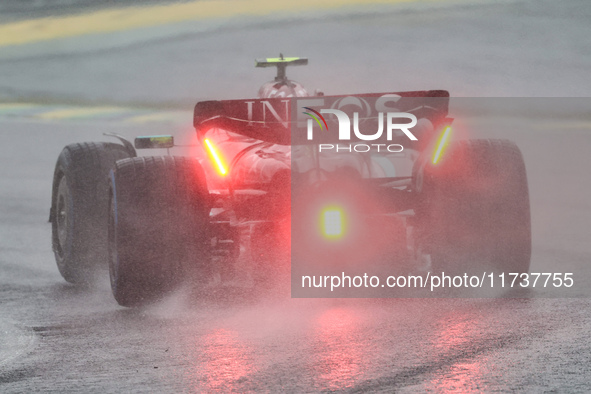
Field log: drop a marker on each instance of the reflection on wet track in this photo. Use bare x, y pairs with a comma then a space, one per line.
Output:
340, 349
227, 360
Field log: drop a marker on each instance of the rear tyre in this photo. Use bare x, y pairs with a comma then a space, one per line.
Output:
474, 209
158, 226
79, 206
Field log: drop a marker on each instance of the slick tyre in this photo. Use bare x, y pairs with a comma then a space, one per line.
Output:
79, 207
158, 227
474, 209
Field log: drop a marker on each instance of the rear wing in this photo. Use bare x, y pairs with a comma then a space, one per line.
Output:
283, 120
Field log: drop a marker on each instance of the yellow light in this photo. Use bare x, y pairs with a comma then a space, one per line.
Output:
216, 158
332, 222
443, 140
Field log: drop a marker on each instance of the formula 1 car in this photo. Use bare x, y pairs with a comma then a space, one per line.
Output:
282, 177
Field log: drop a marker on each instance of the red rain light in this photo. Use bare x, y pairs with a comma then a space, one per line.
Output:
441, 144
332, 222
216, 158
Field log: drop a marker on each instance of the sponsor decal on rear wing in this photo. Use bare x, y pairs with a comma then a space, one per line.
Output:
286, 121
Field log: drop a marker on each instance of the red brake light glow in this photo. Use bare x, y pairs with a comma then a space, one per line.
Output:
332, 222
216, 158
441, 144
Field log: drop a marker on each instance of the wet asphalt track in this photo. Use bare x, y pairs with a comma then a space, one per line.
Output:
55, 337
